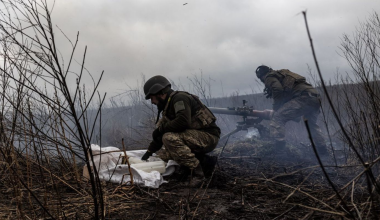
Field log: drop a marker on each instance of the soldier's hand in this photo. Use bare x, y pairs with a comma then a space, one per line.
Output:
157, 135
146, 155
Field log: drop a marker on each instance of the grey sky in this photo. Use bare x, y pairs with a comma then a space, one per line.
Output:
226, 40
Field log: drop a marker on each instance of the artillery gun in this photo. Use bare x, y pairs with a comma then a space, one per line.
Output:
256, 116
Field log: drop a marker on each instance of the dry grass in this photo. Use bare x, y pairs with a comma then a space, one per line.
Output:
47, 127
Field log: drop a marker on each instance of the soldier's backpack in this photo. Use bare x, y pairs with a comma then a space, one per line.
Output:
289, 79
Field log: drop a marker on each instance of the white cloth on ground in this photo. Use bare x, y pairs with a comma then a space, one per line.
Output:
108, 163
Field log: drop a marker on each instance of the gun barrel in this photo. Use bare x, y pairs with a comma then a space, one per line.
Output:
225, 111
264, 114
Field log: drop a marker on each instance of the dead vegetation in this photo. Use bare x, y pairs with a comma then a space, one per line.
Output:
46, 130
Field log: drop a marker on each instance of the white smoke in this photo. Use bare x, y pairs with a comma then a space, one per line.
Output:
252, 132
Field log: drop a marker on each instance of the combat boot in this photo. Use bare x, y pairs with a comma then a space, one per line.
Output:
183, 174
197, 176
208, 165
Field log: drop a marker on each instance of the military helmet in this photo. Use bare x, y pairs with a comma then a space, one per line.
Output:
155, 85
262, 70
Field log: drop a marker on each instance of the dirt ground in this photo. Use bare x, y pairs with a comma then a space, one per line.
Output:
254, 187
251, 181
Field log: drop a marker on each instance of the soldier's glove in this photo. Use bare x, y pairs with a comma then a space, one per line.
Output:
157, 136
146, 155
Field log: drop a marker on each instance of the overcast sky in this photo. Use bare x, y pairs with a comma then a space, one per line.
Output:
225, 40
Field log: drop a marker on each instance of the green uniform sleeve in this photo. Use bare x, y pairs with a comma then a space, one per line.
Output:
275, 86
180, 105
154, 146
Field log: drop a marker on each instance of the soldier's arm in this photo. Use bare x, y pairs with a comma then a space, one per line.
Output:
182, 109
154, 146
275, 86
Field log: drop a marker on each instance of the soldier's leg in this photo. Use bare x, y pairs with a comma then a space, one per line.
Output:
199, 142
277, 130
163, 154
317, 136
291, 110
178, 150
312, 116
182, 146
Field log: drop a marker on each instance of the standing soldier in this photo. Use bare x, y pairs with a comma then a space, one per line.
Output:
292, 97
187, 128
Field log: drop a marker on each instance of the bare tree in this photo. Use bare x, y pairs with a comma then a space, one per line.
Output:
361, 99
356, 111
45, 127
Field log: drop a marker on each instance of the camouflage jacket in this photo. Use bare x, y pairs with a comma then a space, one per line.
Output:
283, 85
180, 112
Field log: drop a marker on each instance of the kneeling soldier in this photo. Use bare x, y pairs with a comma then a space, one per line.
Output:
187, 128
293, 97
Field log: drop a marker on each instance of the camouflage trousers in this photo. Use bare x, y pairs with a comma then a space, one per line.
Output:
182, 146
291, 111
